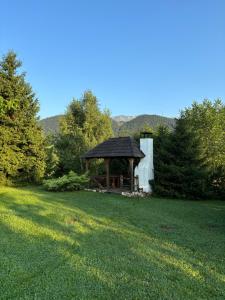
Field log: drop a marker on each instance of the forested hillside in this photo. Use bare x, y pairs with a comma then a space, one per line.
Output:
137, 124
51, 124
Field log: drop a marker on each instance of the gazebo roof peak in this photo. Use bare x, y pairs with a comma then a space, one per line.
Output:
116, 147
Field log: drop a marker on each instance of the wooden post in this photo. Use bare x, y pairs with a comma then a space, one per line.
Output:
121, 181
131, 164
107, 161
87, 165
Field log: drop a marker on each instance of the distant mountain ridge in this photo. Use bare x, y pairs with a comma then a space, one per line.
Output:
140, 122
123, 118
122, 125
50, 124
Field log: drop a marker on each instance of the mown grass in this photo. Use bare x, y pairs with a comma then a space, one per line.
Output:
86, 245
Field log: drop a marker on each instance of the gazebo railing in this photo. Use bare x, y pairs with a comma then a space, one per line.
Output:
115, 181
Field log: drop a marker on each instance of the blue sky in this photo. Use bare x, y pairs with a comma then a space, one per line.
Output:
138, 57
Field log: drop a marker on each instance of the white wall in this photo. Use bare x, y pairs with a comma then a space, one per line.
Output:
145, 168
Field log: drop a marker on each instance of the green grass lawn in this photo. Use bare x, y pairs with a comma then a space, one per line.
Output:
86, 245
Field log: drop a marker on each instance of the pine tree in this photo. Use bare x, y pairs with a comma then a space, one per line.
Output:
190, 172
22, 153
180, 170
163, 163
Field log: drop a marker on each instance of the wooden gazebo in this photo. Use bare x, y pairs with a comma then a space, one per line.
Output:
121, 147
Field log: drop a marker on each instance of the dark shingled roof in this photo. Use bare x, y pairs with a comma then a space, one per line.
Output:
116, 147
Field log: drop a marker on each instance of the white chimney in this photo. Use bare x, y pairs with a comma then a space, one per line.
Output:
145, 168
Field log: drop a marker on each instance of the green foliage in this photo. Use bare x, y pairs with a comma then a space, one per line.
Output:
22, 155
189, 172
217, 183
3, 180
190, 162
207, 122
52, 157
70, 182
8, 106
179, 168
70, 148
163, 162
83, 127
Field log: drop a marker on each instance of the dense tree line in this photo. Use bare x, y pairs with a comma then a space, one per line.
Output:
26, 154
190, 162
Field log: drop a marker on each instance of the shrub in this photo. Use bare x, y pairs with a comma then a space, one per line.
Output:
70, 182
3, 180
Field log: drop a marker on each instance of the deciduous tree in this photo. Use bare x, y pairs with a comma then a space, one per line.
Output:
83, 127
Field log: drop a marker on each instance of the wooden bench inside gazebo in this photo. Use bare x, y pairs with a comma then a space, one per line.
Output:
119, 148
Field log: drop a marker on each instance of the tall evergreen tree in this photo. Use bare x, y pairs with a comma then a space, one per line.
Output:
179, 167
22, 153
163, 162
189, 172
82, 127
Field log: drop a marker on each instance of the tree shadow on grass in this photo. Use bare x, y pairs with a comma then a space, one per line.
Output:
72, 249
201, 220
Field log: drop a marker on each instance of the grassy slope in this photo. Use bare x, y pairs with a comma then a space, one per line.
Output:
86, 245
